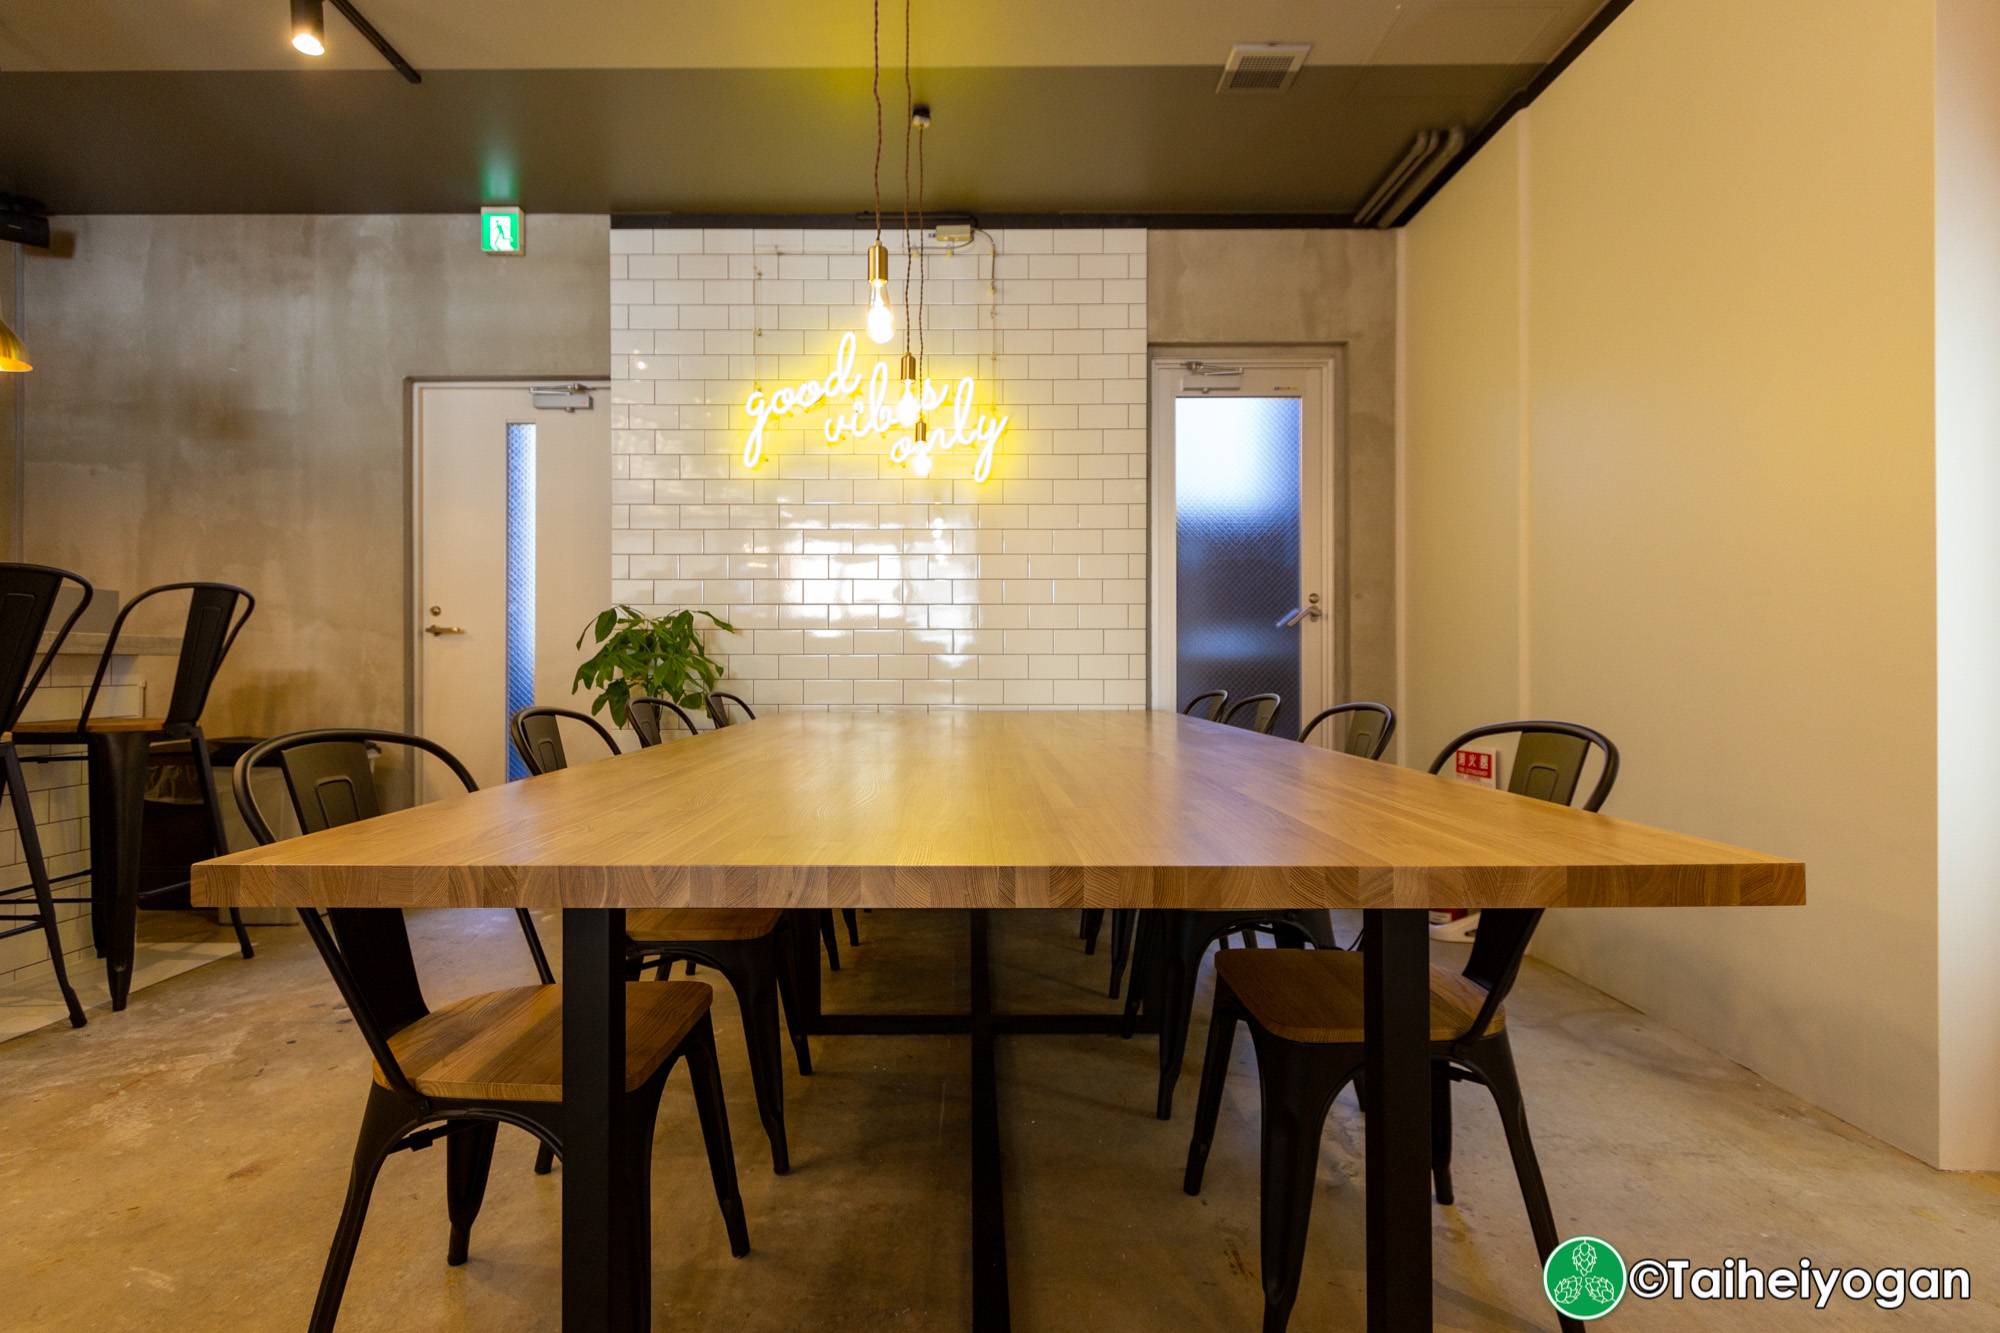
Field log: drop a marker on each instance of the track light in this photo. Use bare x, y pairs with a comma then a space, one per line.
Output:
309, 26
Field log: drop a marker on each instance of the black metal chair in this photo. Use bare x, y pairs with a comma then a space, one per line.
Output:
460, 1072
724, 708
753, 948
213, 622
1368, 730
657, 720
1264, 716
28, 595
1305, 1014
537, 735
1216, 701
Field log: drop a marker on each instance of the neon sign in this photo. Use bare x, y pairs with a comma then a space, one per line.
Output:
871, 412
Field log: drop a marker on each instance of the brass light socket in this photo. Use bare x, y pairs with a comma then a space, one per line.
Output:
878, 264
908, 367
920, 431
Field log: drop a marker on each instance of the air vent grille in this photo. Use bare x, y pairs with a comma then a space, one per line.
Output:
1262, 67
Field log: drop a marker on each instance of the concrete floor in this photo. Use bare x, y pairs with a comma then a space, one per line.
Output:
180, 1166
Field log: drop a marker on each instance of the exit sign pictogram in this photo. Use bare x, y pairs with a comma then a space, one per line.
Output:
502, 231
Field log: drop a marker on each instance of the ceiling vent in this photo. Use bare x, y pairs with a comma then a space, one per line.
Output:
1430, 153
1262, 67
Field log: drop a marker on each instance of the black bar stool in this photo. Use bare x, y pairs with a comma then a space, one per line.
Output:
27, 598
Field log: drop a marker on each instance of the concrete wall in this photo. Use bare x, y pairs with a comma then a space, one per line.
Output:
224, 397
1968, 593
11, 388
1310, 287
1693, 383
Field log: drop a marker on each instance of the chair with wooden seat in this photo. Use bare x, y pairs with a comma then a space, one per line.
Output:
657, 720
28, 596
1262, 711
1208, 704
751, 947
460, 1072
1307, 1020
1369, 728
726, 710
217, 613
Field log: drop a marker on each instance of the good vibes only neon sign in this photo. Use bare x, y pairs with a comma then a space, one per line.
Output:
871, 412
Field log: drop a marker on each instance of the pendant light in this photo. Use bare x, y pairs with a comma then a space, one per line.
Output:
881, 319
13, 356
908, 405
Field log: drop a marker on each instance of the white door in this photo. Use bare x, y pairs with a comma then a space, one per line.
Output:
1243, 531
512, 547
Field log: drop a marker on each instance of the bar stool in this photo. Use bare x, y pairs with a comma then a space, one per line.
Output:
1306, 1016
118, 750
751, 947
28, 595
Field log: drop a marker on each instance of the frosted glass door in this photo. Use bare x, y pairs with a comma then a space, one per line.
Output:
1237, 467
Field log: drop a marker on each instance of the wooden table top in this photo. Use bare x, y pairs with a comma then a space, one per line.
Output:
994, 809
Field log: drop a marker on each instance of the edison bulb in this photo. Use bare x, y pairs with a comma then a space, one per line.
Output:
906, 406
881, 319
309, 44
921, 465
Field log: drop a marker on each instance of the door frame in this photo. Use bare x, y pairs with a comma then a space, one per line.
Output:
413, 527
1328, 360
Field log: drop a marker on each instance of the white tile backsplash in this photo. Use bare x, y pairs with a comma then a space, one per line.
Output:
852, 581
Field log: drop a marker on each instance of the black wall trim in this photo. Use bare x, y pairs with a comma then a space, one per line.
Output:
1550, 72
893, 222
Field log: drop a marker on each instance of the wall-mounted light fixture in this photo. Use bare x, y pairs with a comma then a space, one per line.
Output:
13, 356
309, 33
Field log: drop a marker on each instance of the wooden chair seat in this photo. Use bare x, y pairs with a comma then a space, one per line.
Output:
1314, 995
660, 924
506, 1045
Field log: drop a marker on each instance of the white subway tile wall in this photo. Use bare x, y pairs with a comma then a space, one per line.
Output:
853, 582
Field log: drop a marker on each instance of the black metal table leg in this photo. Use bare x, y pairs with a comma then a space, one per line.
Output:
990, 1313
117, 811
600, 1186
1397, 994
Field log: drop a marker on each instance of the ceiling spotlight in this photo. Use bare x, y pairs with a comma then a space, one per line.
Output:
309, 26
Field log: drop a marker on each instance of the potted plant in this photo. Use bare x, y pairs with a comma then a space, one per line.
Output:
640, 656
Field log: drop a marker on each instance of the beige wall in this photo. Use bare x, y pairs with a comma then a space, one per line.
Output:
224, 398
1968, 557
1301, 287
1722, 394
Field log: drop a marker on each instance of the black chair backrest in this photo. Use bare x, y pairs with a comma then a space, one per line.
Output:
723, 707
1265, 715
1548, 762
1368, 731
537, 736
326, 773
27, 599
211, 630
656, 720
1214, 699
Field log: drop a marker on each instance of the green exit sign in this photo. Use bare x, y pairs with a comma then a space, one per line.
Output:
502, 231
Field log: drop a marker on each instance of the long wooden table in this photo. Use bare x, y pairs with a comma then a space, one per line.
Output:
991, 810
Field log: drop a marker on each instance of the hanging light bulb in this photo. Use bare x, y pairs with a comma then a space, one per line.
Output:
881, 319
907, 406
309, 27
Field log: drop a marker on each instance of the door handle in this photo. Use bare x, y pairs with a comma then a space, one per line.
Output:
443, 629
1310, 611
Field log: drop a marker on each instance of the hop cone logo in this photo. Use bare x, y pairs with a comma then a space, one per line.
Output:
1584, 1278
